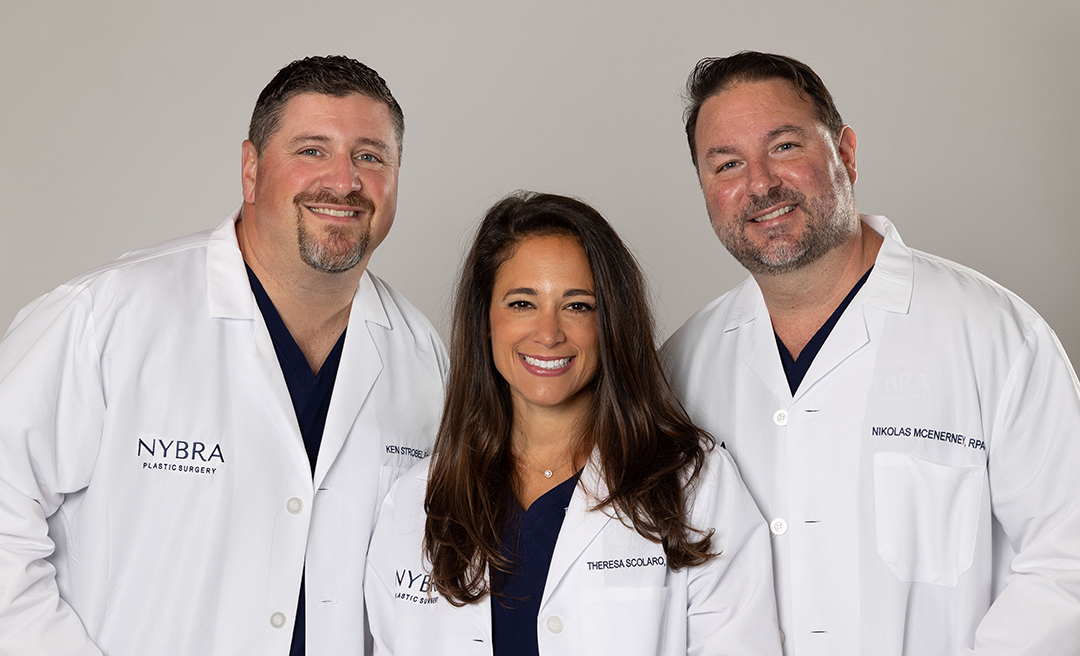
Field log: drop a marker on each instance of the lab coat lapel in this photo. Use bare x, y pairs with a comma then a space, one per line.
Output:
580, 527
761, 354
253, 359
888, 288
271, 389
361, 364
847, 337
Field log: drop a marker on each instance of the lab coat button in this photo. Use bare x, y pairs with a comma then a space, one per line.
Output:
554, 624
778, 526
780, 418
277, 620
294, 506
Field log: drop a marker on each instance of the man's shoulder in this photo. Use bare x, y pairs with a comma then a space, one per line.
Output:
944, 286
139, 266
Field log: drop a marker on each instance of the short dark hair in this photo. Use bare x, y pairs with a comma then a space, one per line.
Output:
650, 453
713, 75
334, 75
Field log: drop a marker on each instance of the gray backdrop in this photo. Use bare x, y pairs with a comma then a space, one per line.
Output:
122, 122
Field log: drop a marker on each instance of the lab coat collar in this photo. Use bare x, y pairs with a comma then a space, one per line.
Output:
229, 291
888, 288
890, 285
580, 527
227, 283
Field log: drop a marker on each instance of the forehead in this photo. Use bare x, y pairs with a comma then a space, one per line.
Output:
746, 107
350, 117
550, 256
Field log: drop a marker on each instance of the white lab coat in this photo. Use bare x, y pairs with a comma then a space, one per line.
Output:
939, 401
145, 418
608, 590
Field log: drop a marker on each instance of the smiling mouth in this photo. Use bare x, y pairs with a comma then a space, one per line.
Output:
775, 213
335, 213
547, 364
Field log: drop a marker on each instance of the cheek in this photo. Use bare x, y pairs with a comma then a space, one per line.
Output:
499, 342
588, 338
381, 187
721, 197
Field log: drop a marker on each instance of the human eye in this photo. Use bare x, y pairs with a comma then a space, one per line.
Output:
727, 166
519, 304
580, 307
369, 159
310, 151
786, 146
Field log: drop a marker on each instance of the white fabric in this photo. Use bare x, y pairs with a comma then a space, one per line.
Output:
608, 590
939, 401
145, 418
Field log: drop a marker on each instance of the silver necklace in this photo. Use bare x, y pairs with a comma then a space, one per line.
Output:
546, 472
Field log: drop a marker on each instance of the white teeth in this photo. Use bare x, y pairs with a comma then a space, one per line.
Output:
547, 364
773, 215
329, 212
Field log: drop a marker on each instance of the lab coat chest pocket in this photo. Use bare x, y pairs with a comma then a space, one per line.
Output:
623, 621
927, 516
387, 475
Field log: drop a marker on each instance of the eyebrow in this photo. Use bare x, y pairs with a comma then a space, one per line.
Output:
578, 292
769, 136
785, 129
322, 138
529, 291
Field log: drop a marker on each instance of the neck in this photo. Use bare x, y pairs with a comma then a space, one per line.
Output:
544, 437
314, 305
801, 301
546, 440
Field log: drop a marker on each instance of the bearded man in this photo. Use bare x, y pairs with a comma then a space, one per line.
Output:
194, 439
909, 428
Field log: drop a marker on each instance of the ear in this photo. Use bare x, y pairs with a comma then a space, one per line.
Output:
846, 145
249, 168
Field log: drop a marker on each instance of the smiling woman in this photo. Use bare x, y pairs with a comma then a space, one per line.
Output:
544, 337
571, 506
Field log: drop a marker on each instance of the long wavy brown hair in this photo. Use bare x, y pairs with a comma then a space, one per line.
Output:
650, 453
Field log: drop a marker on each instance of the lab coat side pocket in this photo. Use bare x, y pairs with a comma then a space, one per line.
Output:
624, 621
927, 517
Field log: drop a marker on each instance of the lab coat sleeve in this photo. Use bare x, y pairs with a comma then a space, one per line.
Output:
731, 601
51, 413
1034, 461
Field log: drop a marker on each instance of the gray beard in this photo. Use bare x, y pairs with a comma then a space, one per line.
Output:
333, 253
831, 221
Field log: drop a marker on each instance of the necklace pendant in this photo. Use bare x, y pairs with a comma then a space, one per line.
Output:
547, 473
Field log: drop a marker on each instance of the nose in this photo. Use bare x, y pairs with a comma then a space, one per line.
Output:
761, 178
549, 330
341, 175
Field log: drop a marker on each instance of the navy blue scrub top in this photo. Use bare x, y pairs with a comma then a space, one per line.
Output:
530, 543
310, 397
796, 369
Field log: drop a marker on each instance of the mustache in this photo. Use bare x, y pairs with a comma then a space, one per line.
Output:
353, 199
775, 196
